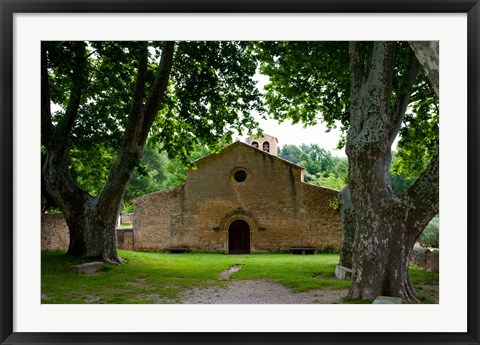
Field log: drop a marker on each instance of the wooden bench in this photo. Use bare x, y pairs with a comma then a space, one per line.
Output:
179, 250
302, 250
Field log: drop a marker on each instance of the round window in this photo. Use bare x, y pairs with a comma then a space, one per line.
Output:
240, 175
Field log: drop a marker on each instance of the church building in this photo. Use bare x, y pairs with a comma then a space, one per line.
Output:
243, 199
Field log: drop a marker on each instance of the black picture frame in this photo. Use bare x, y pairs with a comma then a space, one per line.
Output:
10, 7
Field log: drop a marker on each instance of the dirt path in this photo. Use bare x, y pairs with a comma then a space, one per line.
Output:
258, 292
262, 291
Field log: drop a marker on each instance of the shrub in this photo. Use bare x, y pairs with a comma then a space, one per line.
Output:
430, 236
328, 249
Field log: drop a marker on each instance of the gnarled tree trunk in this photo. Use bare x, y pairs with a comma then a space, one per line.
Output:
92, 220
386, 225
349, 224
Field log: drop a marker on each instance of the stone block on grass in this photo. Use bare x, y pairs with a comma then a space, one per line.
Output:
387, 300
87, 268
343, 273
433, 265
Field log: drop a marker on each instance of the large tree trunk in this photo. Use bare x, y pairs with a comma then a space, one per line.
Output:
349, 224
92, 220
91, 225
387, 226
92, 234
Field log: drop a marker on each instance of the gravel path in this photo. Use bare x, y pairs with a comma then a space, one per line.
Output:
258, 292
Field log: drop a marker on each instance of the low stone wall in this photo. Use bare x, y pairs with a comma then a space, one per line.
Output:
425, 259
55, 235
125, 239
126, 218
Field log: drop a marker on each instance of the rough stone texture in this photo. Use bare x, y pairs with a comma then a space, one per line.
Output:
425, 258
281, 210
387, 300
55, 234
125, 239
88, 268
419, 256
343, 273
433, 264
226, 274
126, 218
347, 216
272, 143
427, 53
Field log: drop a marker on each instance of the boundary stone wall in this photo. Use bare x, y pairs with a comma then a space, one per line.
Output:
55, 235
425, 258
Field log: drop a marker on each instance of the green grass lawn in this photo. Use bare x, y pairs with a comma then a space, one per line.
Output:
159, 277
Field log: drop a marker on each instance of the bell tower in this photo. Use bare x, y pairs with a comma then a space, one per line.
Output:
267, 143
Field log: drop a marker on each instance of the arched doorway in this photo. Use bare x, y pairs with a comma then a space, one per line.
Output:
239, 237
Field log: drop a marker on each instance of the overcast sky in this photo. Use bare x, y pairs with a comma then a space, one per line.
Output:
286, 133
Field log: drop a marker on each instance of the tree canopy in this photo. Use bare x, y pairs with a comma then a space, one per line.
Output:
208, 96
309, 82
100, 102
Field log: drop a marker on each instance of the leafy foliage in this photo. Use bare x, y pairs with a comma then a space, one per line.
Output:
310, 82
321, 168
419, 139
160, 172
430, 236
306, 79
91, 165
211, 93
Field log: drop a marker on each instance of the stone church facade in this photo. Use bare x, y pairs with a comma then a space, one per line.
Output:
243, 199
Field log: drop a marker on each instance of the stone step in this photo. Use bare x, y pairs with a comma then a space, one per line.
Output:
87, 268
387, 300
343, 273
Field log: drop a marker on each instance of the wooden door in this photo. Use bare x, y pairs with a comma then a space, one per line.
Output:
239, 237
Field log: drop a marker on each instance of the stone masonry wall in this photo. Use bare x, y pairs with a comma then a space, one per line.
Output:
279, 208
55, 234
155, 215
324, 229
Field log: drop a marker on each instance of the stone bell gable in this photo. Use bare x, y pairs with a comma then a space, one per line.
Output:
266, 143
239, 200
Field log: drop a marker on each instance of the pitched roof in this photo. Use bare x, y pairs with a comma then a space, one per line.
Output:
265, 136
239, 143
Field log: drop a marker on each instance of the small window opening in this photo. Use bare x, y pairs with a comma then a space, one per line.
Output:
255, 144
266, 146
240, 176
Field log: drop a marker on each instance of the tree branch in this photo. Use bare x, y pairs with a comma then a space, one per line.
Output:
79, 76
357, 77
422, 197
427, 53
357, 80
56, 171
380, 76
136, 111
159, 87
46, 114
404, 99
370, 101
139, 126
